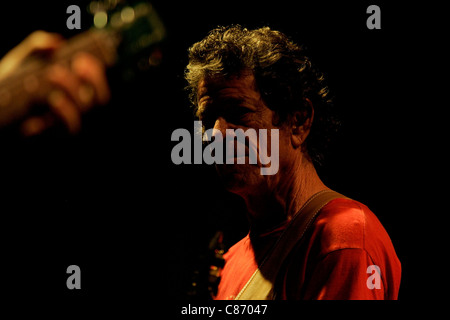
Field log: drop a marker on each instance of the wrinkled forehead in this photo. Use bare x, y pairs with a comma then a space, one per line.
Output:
239, 88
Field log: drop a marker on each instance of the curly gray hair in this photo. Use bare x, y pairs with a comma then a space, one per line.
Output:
285, 77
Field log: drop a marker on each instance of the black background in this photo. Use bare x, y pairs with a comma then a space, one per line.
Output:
111, 201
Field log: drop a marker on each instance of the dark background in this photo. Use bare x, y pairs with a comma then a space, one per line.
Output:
111, 201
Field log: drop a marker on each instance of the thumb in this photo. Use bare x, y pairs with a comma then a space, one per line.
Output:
38, 41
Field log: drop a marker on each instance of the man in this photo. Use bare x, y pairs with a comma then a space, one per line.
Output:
259, 79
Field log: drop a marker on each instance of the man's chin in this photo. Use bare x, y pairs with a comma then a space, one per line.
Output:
236, 178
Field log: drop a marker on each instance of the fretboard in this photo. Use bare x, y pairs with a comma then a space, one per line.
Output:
28, 86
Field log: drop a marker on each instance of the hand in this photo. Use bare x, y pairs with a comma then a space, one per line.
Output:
75, 88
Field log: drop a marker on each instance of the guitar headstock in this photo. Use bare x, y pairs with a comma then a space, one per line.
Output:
125, 37
138, 29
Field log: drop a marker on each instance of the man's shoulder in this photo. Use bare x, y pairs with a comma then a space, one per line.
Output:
345, 224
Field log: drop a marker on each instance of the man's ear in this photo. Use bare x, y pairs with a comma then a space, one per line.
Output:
301, 123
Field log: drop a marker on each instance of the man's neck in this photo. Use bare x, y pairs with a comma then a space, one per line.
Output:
274, 206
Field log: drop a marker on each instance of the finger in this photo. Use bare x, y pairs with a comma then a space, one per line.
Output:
64, 108
36, 41
36, 125
42, 41
92, 71
81, 94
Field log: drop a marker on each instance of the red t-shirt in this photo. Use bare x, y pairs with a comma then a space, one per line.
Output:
334, 260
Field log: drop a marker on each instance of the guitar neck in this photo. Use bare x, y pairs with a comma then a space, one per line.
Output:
28, 85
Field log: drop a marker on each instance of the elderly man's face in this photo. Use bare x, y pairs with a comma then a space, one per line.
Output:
236, 104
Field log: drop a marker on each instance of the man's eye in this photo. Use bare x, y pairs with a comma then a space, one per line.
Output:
207, 122
237, 114
207, 118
